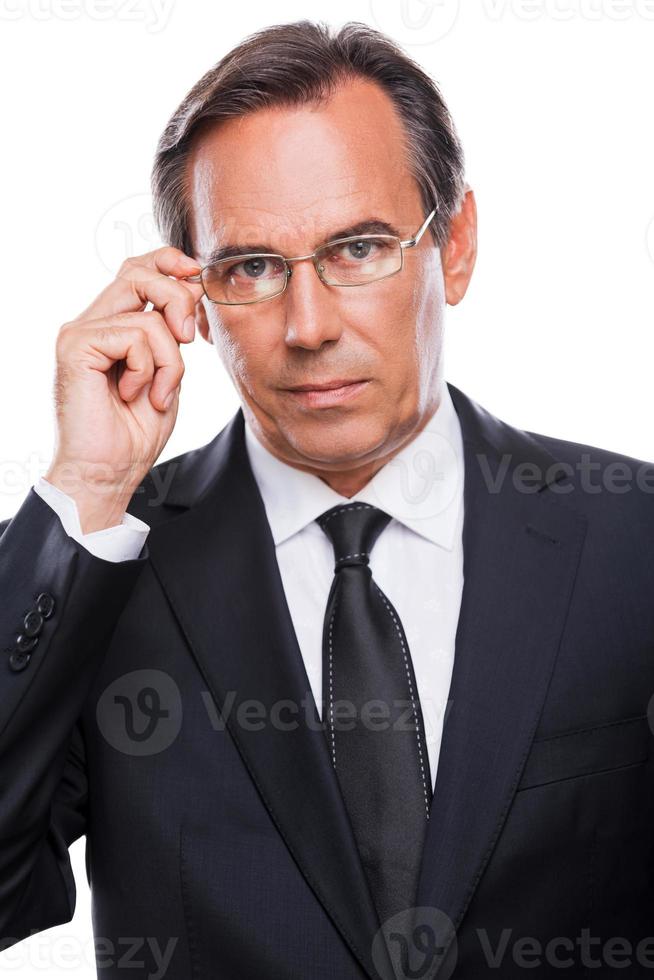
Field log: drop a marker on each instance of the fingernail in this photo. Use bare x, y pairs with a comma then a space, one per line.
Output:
188, 328
168, 399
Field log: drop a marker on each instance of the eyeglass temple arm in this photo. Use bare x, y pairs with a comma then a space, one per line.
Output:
195, 278
410, 242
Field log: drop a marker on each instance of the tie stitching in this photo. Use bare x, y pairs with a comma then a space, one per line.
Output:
341, 510
415, 713
358, 554
331, 685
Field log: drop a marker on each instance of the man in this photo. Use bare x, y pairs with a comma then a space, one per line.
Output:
371, 700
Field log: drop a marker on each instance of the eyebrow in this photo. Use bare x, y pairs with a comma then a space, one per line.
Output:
369, 226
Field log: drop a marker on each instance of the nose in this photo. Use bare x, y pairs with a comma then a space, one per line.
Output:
311, 317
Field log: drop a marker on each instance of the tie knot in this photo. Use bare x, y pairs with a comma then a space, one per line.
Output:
353, 530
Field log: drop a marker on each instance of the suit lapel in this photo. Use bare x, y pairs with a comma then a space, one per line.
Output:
521, 551
216, 562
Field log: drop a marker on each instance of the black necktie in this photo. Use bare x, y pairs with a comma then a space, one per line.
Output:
379, 753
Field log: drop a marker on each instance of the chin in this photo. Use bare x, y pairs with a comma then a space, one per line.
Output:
337, 441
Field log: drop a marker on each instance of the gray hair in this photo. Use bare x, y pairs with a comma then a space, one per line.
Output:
303, 62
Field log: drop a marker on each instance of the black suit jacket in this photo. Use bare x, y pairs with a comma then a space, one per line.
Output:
225, 849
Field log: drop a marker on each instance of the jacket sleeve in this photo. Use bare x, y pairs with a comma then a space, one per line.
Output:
58, 610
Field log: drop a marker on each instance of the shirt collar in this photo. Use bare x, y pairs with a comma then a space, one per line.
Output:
421, 486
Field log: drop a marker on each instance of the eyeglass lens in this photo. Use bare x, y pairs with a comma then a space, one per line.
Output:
349, 262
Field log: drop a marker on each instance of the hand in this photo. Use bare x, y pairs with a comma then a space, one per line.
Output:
117, 382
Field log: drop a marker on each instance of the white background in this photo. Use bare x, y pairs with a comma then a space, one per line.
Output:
552, 100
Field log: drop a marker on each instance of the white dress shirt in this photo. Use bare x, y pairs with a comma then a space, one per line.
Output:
417, 560
119, 543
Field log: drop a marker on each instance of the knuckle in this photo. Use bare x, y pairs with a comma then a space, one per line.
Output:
64, 333
65, 339
110, 331
140, 338
168, 253
126, 323
127, 265
156, 318
123, 316
103, 334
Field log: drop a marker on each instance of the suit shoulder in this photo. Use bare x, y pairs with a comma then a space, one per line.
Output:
605, 478
570, 451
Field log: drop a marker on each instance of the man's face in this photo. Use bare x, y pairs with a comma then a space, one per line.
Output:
292, 179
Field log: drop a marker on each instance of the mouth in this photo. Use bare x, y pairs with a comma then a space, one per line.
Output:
329, 393
325, 385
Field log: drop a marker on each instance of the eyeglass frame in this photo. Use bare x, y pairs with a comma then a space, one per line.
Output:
404, 244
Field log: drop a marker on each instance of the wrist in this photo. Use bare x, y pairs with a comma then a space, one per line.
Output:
99, 505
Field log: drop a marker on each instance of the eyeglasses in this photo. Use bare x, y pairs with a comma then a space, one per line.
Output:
257, 276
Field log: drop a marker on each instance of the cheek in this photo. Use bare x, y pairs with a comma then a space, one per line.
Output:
409, 339
245, 352
392, 324
383, 312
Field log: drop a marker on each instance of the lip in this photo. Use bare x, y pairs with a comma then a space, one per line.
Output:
334, 383
327, 396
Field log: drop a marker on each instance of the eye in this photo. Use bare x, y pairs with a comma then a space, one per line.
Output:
256, 267
358, 250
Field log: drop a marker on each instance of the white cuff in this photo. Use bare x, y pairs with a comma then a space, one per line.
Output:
122, 542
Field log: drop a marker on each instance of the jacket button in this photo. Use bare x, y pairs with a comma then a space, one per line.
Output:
26, 643
33, 623
45, 604
19, 661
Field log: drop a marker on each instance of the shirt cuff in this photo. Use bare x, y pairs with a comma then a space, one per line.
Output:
122, 542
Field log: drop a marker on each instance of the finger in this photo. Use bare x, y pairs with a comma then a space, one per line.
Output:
98, 346
168, 364
147, 278
139, 368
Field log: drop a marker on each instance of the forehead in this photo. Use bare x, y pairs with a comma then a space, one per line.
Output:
301, 171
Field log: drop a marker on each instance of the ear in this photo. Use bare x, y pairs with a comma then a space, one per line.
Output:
201, 320
459, 253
